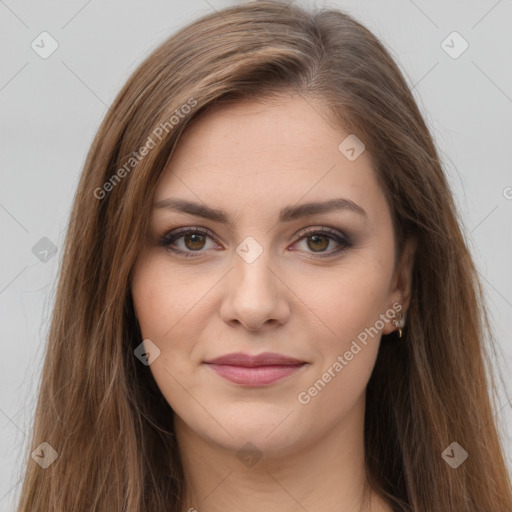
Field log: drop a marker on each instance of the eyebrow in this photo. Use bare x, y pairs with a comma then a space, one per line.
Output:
286, 214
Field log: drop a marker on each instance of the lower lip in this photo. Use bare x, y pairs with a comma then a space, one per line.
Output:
255, 375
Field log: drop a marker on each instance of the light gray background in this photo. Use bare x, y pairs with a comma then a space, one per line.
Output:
50, 109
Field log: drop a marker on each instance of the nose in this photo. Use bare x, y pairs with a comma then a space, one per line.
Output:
256, 296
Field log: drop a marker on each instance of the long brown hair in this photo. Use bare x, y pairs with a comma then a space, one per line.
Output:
100, 408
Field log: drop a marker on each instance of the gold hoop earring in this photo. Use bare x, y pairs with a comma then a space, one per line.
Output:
398, 324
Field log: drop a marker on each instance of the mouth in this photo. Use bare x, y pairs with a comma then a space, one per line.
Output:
254, 371
253, 376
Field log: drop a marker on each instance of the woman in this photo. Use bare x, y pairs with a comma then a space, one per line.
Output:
266, 301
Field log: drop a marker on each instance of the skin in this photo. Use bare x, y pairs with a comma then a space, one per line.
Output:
251, 159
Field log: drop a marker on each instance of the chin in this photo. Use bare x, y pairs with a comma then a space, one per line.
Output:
269, 434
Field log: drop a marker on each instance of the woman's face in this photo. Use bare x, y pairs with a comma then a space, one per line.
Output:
264, 274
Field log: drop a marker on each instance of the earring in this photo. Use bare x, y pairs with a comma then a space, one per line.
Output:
398, 324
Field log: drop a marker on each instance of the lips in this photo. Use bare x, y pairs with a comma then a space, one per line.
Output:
252, 371
265, 359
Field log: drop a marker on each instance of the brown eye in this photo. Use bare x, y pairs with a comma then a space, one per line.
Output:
187, 242
194, 241
318, 242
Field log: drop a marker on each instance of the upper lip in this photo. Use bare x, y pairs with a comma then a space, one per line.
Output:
265, 359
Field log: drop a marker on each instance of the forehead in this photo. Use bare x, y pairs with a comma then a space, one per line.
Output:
260, 154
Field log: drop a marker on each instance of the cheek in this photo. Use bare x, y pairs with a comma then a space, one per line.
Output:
350, 298
353, 298
149, 298
164, 296
173, 310
161, 304
347, 350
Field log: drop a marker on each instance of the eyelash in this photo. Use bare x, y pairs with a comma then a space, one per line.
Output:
169, 238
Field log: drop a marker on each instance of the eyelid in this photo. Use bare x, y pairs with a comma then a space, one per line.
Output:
324, 229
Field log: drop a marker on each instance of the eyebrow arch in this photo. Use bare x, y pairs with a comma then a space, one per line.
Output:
286, 214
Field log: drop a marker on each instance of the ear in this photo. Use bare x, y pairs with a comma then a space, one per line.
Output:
401, 286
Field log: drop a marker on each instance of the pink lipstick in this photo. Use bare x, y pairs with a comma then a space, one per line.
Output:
253, 371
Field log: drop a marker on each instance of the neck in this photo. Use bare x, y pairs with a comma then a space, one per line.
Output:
325, 474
